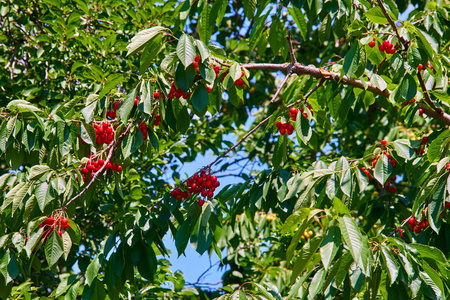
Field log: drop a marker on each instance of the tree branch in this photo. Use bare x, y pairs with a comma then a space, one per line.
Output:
392, 23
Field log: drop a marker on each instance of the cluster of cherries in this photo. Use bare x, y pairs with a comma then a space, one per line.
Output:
386, 46
143, 129
423, 68
104, 133
157, 120
388, 187
419, 151
285, 128
417, 226
50, 224
93, 166
195, 63
177, 93
240, 82
200, 183
112, 114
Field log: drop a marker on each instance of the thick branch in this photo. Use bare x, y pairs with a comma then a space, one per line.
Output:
317, 73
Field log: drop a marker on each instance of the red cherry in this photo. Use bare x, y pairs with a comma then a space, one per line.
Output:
282, 131
60, 233
386, 44
84, 171
213, 179
423, 224
422, 151
195, 64
116, 105
293, 110
210, 194
412, 222
156, 95
372, 44
417, 229
424, 140
201, 202
209, 89
384, 143
392, 189
204, 193
447, 204
64, 221
197, 58
381, 47
279, 124
119, 168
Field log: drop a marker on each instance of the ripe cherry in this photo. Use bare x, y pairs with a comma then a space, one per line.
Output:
381, 48
372, 44
209, 89
392, 189
156, 95
417, 229
420, 112
412, 222
424, 140
197, 58
201, 202
384, 143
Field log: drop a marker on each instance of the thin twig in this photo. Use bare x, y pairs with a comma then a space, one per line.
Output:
392, 23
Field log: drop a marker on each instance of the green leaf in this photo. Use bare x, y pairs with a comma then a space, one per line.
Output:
42, 195
277, 156
376, 15
249, 8
346, 182
305, 256
142, 37
329, 246
427, 42
67, 244
150, 53
356, 243
112, 81
124, 110
408, 87
403, 148
204, 28
200, 99
186, 50
378, 81
22, 106
92, 270
383, 169
235, 71
434, 150
185, 77
303, 129
352, 60
317, 283
300, 20
325, 29
203, 49
391, 264
256, 32
54, 248
19, 196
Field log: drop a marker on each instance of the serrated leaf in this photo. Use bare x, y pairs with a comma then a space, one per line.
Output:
200, 99
383, 169
124, 110
378, 81
391, 264
203, 49
249, 8
376, 15
329, 246
22, 105
92, 270
303, 129
186, 50
142, 37
408, 87
356, 242
54, 248
300, 20
346, 182
403, 148
203, 25
352, 60
67, 244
